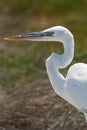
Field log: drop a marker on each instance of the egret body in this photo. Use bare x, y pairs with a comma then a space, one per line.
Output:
73, 87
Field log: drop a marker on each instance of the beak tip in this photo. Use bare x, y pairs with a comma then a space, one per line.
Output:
5, 38
9, 39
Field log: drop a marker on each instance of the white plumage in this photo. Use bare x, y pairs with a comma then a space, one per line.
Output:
73, 87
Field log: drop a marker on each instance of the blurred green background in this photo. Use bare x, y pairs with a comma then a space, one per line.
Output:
23, 77
28, 60
43, 7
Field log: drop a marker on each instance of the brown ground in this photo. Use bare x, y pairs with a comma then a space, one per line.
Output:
34, 105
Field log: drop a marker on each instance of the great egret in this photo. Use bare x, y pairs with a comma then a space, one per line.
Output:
73, 88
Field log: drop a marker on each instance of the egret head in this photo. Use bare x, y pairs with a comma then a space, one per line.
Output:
56, 33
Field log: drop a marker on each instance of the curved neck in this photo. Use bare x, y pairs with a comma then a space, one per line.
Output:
61, 61
56, 78
55, 61
68, 54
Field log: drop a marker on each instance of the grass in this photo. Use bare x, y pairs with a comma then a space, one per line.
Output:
21, 59
23, 77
